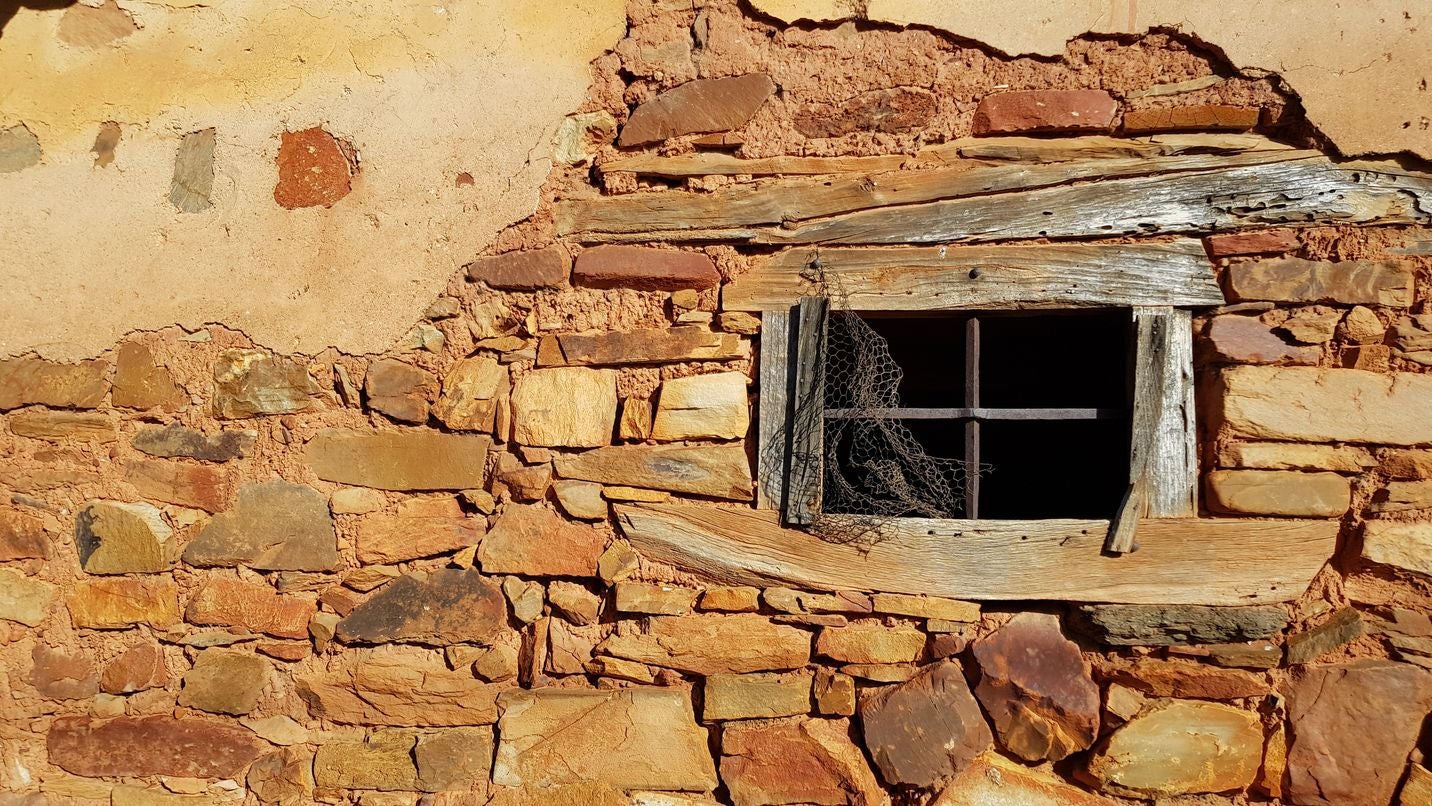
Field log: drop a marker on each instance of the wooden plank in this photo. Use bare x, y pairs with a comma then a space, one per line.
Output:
685, 165
642, 215
988, 277
978, 412
1172, 468
1123, 529
773, 410
807, 423
1210, 561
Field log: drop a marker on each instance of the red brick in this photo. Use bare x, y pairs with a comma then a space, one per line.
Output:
1202, 117
1045, 111
644, 269
1264, 242
523, 271
313, 170
697, 107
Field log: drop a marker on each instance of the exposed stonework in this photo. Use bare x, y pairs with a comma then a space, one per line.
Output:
1045, 111
1177, 747
451, 606
926, 729
154, 745
712, 105
796, 761
274, 525
1334, 405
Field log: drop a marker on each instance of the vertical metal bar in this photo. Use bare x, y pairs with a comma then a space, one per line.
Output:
972, 426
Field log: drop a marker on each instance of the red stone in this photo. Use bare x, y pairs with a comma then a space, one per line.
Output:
1200, 117
1353, 726
795, 761
1169, 678
313, 170
1246, 340
22, 536
925, 729
188, 485
59, 675
535, 541
137, 668
1045, 111
698, 107
1263, 242
884, 110
151, 745
254, 607
450, 606
523, 271
644, 269
27, 381
1036, 688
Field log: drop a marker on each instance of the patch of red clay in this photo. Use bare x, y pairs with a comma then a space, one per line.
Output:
313, 170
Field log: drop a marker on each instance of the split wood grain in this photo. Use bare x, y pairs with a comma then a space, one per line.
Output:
804, 485
1206, 561
773, 408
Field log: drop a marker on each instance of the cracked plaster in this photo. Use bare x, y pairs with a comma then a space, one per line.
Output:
424, 90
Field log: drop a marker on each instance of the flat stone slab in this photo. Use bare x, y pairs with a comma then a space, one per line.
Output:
450, 606
274, 526
400, 460
151, 745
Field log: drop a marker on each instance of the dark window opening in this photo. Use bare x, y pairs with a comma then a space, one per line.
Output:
1039, 400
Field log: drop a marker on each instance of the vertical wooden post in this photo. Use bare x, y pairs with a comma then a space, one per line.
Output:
773, 416
807, 424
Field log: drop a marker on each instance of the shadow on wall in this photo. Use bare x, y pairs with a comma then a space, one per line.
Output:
9, 8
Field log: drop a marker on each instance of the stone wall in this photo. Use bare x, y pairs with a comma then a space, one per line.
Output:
229, 575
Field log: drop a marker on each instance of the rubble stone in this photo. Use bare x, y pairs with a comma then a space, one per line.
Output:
1297, 456
993, 780
253, 382
870, 642
534, 540
398, 686
581, 499
697, 107
809, 761
1305, 647
890, 109
1279, 492
523, 271
314, 169
450, 606
471, 392
719, 471
151, 745
60, 675
731, 599
119, 602
34, 381
929, 607
574, 602
752, 696
834, 693
1259, 242
1172, 678
653, 346
1308, 404
703, 407
283, 777
712, 644
1199, 117
254, 607
926, 729
1352, 282
275, 525
141, 383
570, 407
644, 268
177, 441
1245, 340
188, 485
417, 532
453, 759
1405, 545
653, 599
22, 536
1045, 111
225, 682
60, 426
400, 390
384, 763
118, 538
137, 668
1177, 747
1362, 326
1167, 625
400, 460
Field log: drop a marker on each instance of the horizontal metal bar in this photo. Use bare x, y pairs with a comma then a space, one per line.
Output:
977, 413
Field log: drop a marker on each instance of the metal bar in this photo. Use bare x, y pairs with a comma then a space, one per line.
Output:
972, 426
975, 414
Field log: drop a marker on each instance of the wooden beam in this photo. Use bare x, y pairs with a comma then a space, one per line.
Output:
807, 421
669, 215
773, 409
975, 412
705, 164
987, 277
1206, 561
1170, 465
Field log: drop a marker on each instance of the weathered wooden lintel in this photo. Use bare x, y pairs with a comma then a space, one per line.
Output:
1205, 561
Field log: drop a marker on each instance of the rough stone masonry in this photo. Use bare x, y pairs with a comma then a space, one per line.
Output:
235, 575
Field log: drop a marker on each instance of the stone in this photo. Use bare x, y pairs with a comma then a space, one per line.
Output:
1352, 728
1246, 340
384, 762
1296, 456
523, 271
454, 759
1402, 496
1327, 405
188, 485
410, 535
719, 471
1279, 492
570, 649
1250, 655
34, 381
1412, 338
283, 777
993, 780
60, 675
1313, 325
1173, 678
930, 607
570, 407
24, 600
177, 441
1371, 357
1258, 242
579, 137
619, 669
314, 169
422, 336
355, 501
1123, 703
1342, 629
119, 602
653, 599
248, 383
1417, 790
141, 383
535, 541
703, 407
1407, 464
1168, 625
622, 494
139, 667
697, 107
281, 730
892, 109
834, 693
1177, 747
1045, 111
926, 729
1199, 117
192, 186
711, 644
1037, 689
19, 149
275, 526
581, 499
630, 739
399, 460
643, 268
731, 599
1405, 545
450, 606
881, 672
397, 686
1362, 326
756, 696
653, 346
61, 426
470, 394
574, 602
254, 607
400, 390
1387, 282
225, 682
870, 642
185, 747
787, 600
118, 538
523, 482
22, 536
525, 598
618, 562
809, 761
